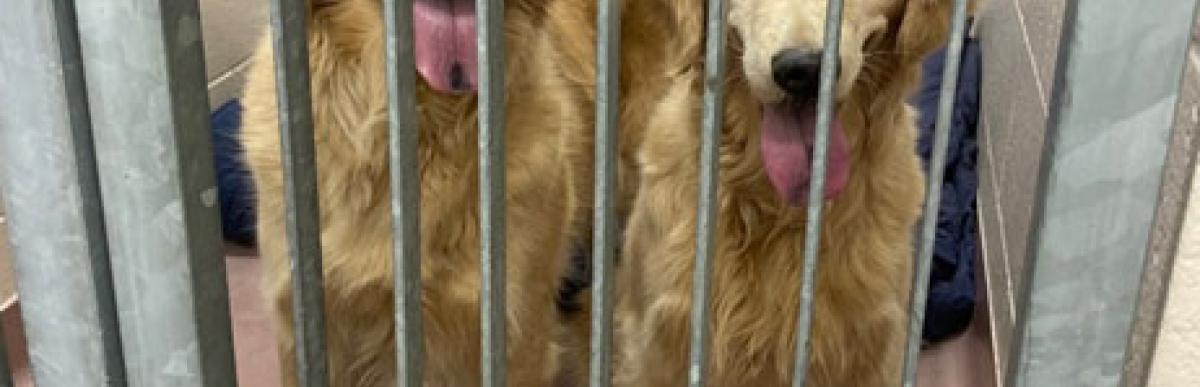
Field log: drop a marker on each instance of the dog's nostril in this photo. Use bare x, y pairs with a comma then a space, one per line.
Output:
458, 77
798, 72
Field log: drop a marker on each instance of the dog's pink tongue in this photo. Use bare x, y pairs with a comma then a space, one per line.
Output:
788, 133
444, 31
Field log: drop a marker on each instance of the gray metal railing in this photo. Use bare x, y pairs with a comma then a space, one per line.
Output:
146, 91
406, 191
831, 52
1099, 182
289, 36
714, 96
492, 183
86, 263
56, 224
604, 239
933, 192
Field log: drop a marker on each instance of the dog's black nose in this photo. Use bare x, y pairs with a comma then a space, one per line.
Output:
798, 72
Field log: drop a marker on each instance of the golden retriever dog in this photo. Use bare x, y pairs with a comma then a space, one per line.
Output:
346, 43
873, 192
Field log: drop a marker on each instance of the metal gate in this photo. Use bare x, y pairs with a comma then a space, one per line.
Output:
66, 84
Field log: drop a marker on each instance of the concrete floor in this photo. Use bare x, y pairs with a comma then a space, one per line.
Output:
964, 361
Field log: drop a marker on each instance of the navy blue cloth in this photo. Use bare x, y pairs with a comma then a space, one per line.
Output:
951, 300
235, 190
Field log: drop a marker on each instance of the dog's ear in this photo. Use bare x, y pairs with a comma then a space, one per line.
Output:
925, 26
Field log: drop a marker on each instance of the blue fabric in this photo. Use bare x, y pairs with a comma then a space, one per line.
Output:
951, 300
235, 190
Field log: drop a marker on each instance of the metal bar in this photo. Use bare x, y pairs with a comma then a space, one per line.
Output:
816, 192
490, 43
406, 192
711, 121
57, 225
604, 238
1170, 239
89, 188
144, 62
933, 192
289, 20
1106, 140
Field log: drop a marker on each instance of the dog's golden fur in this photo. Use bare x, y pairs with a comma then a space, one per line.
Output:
864, 267
864, 270
350, 113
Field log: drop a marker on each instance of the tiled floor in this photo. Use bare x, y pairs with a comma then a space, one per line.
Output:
253, 329
962, 362
966, 360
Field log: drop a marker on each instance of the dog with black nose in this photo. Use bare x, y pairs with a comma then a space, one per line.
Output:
349, 94
873, 190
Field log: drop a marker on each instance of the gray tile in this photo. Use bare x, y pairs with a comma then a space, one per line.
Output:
1015, 117
1043, 25
1018, 158
1012, 130
995, 270
227, 87
232, 29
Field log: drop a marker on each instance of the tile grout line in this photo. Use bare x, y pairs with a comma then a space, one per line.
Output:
1000, 222
1033, 60
988, 267
237, 68
992, 296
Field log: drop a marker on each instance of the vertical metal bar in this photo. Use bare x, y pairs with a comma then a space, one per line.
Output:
1102, 163
933, 192
289, 20
144, 63
608, 40
1156, 319
406, 191
816, 192
490, 43
711, 121
57, 222
81, 132
89, 189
